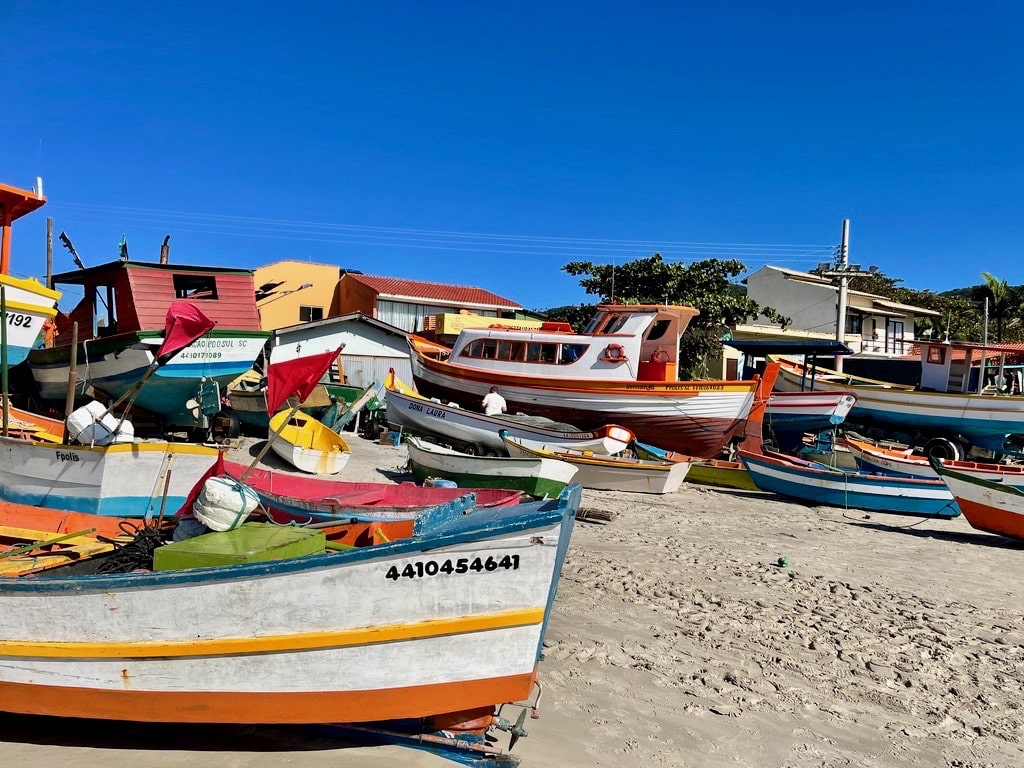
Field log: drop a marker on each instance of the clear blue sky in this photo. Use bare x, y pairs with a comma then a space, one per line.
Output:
489, 144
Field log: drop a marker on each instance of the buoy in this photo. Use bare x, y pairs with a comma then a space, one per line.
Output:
783, 562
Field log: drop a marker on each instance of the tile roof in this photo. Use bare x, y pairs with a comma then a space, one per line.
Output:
439, 292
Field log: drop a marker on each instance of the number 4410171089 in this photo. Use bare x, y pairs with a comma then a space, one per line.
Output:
422, 568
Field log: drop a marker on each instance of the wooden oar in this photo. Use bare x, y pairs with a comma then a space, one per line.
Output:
23, 548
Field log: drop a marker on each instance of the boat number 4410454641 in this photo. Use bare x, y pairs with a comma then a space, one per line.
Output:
422, 568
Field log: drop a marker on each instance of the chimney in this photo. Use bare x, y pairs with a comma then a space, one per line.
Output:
165, 250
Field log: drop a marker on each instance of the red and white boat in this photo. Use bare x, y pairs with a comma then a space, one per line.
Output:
904, 462
991, 507
623, 369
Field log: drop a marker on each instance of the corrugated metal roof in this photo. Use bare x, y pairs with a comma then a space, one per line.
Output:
419, 290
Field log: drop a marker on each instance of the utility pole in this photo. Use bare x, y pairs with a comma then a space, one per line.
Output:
844, 270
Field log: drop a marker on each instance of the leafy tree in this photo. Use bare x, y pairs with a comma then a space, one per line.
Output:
706, 285
576, 315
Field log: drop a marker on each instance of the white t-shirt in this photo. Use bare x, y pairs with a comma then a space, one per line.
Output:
494, 404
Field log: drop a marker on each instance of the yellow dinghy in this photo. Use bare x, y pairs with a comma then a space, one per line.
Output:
307, 444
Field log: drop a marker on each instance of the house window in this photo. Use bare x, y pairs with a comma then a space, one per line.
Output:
854, 323
195, 287
310, 314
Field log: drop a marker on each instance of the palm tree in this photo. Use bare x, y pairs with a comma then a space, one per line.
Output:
1000, 291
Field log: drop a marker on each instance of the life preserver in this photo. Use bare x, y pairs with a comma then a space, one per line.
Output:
614, 353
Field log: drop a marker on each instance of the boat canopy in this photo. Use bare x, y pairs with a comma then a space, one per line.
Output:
763, 347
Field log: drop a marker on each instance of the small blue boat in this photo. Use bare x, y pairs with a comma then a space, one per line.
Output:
821, 484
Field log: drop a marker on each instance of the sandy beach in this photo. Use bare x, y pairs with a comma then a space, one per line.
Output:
678, 639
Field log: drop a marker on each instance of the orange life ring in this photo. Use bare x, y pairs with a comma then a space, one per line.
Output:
614, 353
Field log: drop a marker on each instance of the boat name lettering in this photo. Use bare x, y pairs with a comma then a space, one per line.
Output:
677, 387
67, 456
212, 343
421, 568
435, 412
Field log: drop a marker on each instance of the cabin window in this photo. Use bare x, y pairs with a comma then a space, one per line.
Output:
481, 348
310, 314
195, 287
570, 353
937, 355
537, 352
658, 329
510, 350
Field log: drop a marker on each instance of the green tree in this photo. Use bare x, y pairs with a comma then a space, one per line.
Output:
576, 315
706, 285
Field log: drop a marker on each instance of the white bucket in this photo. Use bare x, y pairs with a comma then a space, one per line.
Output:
92, 425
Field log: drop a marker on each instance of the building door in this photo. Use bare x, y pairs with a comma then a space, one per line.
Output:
894, 336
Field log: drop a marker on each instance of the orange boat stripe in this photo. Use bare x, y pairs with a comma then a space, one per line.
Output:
263, 707
273, 643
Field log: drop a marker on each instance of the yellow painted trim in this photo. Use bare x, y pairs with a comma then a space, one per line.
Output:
30, 284
272, 644
33, 309
145, 447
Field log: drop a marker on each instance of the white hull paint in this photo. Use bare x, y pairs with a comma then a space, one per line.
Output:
364, 634
610, 473
423, 415
123, 479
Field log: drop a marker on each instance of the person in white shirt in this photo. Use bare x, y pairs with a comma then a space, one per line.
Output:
494, 404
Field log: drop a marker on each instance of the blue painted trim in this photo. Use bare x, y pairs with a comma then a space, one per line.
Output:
482, 524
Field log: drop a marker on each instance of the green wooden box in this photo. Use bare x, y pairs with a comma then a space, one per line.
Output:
249, 543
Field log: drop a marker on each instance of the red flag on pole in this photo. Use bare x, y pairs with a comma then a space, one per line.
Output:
296, 377
185, 323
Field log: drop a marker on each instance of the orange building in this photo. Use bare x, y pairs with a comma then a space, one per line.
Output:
293, 292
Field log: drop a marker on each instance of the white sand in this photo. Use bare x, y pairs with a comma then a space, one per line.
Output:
677, 640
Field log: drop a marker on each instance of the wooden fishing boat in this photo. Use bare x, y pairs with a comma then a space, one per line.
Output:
954, 409
449, 622
307, 444
34, 539
134, 479
623, 369
609, 473
988, 506
477, 434
248, 396
540, 477
289, 497
29, 304
903, 462
818, 483
127, 302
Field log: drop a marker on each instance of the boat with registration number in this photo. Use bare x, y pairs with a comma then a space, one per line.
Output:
477, 433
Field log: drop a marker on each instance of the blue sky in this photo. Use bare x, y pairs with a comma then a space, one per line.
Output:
489, 144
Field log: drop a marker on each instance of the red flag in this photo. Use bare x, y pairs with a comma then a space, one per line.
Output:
185, 323
296, 377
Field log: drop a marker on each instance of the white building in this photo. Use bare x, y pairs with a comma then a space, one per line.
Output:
874, 324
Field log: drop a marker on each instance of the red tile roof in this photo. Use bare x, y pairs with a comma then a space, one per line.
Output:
439, 292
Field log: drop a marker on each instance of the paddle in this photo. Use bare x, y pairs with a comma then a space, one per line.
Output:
23, 548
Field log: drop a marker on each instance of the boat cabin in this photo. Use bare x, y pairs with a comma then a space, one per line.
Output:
627, 341
124, 297
14, 203
967, 368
